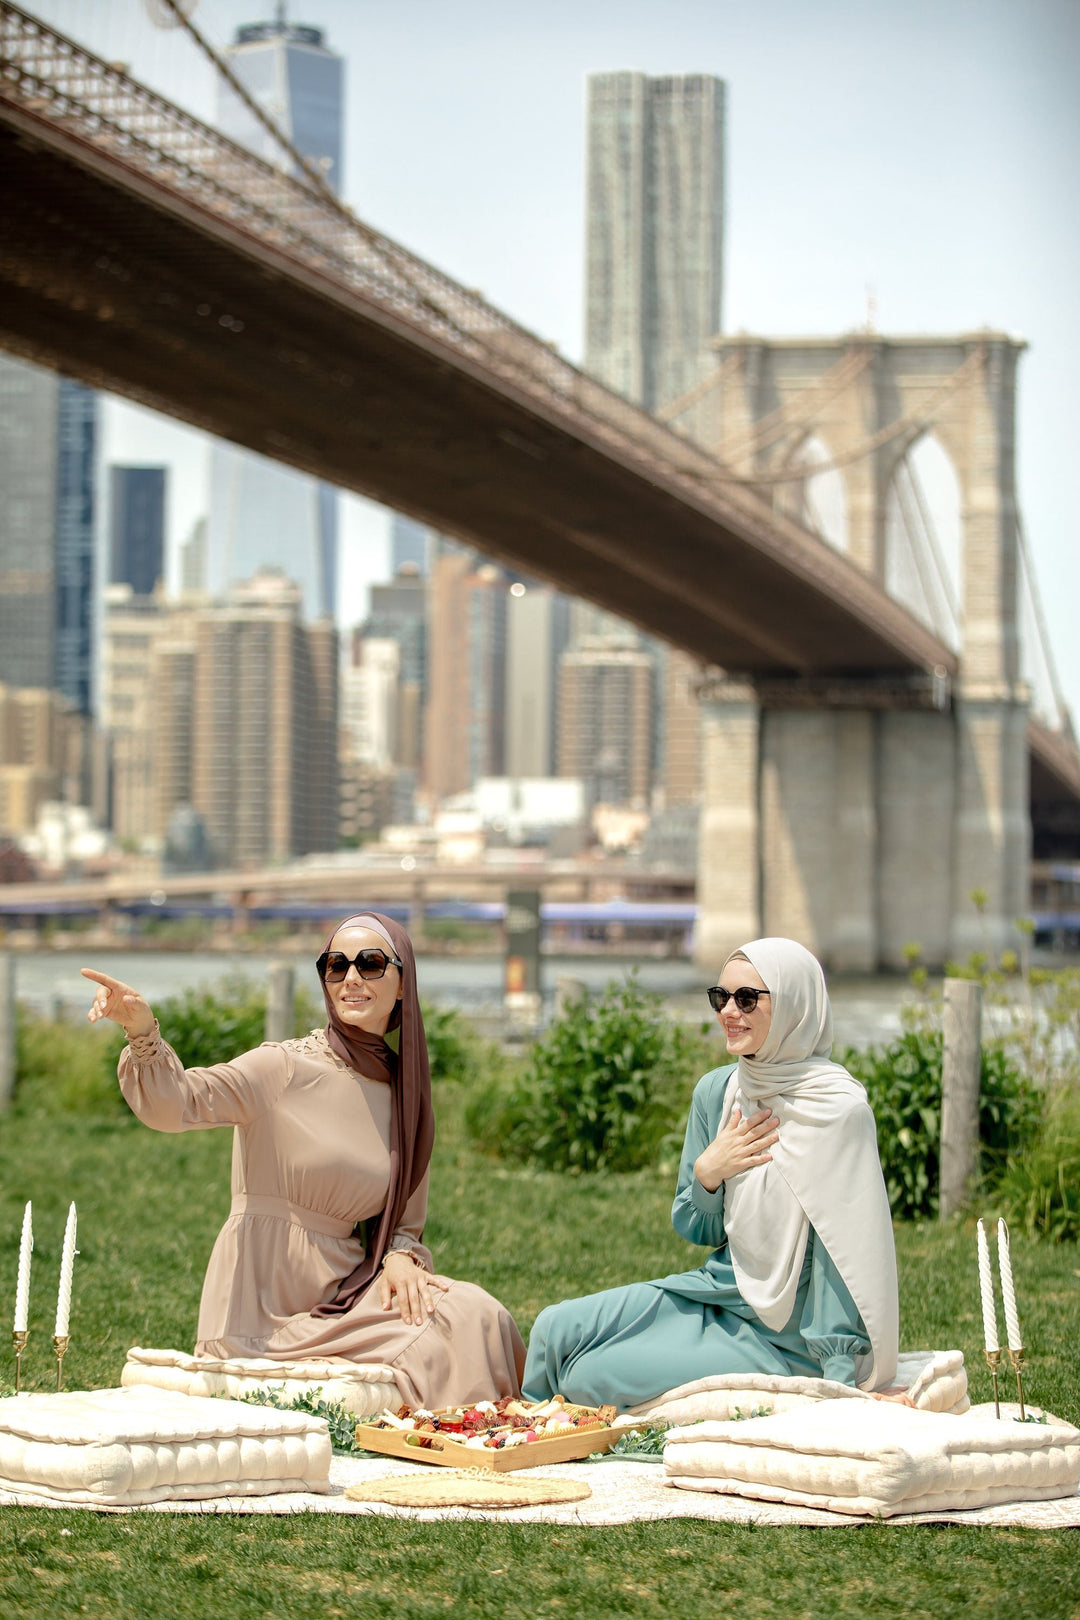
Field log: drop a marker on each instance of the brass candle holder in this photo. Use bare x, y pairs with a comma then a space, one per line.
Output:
1017, 1359
19, 1337
60, 1344
993, 1361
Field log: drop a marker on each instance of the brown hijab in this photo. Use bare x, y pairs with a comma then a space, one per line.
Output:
412, 1122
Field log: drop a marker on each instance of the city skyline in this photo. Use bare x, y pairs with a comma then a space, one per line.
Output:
904, 169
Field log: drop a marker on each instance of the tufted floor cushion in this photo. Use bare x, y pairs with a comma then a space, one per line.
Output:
133, 1446
877, 1459
363, 1390
936, 1380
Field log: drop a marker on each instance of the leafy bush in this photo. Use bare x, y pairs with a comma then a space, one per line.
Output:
64, 1068
1040, 1189
606, 1088
455, 1050
207, 1025
903, 1083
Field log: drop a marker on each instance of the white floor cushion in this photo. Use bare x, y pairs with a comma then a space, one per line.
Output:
936, 1380
876, 1458
130, 1446
363, 1390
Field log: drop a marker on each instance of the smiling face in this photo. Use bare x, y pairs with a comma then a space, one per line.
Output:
745, 1031
364, 1003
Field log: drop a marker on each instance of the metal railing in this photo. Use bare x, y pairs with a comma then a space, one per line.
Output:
51, 80
54, 79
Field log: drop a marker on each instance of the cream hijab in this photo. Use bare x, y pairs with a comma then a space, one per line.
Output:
824, 1172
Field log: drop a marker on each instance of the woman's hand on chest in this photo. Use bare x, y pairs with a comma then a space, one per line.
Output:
739, 1145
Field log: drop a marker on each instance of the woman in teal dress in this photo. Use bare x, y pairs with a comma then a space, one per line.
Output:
780, 1177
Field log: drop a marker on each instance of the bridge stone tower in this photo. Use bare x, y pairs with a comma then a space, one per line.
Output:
859, 815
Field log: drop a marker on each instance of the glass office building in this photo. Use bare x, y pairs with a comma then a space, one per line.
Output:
264, 515
48, 435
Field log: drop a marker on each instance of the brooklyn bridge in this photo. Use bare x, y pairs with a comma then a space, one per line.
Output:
868, 765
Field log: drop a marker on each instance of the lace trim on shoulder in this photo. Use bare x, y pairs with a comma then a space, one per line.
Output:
315, 1045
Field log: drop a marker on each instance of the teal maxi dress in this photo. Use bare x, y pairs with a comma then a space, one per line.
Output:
626, 1346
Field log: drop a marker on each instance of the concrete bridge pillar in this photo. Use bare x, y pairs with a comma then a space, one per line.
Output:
865, 815
729, 853
993, 824
916, 798
819, 833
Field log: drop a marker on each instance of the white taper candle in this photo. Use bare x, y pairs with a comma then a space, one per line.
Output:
1008, 1293
67, 1266
986, 1288
22, 1286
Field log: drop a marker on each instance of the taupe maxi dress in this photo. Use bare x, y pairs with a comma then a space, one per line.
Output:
311, 1162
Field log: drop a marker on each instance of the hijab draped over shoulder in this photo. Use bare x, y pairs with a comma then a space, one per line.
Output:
825, 1171
412, 1122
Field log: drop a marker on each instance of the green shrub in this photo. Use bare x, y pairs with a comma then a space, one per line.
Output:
64, 1068
1040, 1189
207, 1025
455, 1050
903, 1083
606, 1088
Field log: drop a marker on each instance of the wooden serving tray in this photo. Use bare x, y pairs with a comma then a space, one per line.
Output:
451, 1453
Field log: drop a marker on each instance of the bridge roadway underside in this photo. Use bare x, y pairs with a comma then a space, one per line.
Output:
122, 284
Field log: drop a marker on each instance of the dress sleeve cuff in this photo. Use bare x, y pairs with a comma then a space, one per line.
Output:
144, 1048
403, 1243
706, 1202
840, 1368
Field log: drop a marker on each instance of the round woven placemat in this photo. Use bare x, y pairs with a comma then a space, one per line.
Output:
466, 1488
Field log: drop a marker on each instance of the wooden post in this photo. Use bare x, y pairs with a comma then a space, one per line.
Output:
567, 991
7, 1028
279, 1002
961, 1073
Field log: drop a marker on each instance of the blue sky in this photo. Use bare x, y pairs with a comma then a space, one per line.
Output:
926, 154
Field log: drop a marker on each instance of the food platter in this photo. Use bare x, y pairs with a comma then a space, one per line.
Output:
428, 1443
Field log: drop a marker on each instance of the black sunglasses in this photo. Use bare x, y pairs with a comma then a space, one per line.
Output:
333, 966
744, 998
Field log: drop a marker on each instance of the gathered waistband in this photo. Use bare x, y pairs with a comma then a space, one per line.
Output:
281, 1209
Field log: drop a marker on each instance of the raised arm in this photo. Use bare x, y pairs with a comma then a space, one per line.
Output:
165, 1095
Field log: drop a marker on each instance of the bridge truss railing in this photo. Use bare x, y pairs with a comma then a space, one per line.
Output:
52, 78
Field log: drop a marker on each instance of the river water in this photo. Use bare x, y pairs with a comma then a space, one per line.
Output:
865, 1010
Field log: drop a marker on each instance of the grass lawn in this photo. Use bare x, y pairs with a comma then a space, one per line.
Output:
149, 1206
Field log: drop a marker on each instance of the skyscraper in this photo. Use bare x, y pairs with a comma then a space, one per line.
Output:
605, 723
654, 232
264, 515
298, 81
137, 527
464, 737
229, 710
410, 543
399, 613
536, 634
264, 771
48, 428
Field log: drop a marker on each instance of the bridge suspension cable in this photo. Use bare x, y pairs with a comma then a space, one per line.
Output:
801, 409
934, 581
1042, 632
912, 425
310, 171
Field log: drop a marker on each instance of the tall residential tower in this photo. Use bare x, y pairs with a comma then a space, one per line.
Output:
654, 232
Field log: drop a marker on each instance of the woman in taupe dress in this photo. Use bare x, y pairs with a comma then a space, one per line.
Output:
321, 1255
